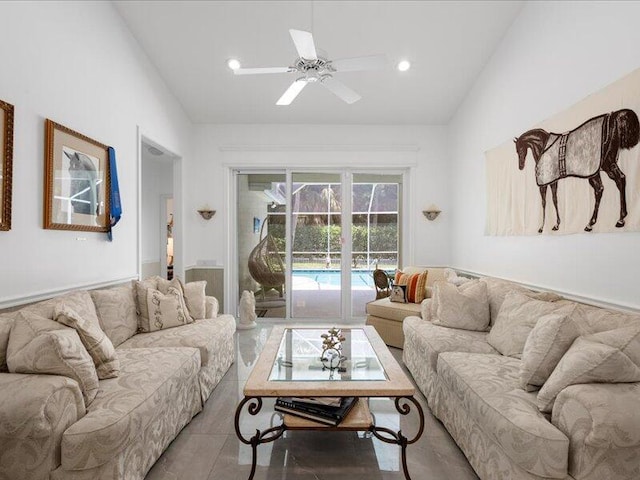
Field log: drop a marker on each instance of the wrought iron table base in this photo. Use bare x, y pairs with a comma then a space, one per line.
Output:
381, 433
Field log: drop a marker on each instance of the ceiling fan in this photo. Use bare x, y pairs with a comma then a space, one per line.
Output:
315, 68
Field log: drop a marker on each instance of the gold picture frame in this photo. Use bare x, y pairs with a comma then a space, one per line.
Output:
6, 164
76, 181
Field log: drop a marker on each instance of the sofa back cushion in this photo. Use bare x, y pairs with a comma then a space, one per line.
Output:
116, 309
518, 315
498, 289
6, 322
41, 346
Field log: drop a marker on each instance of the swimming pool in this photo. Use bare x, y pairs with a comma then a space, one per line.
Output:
332, 278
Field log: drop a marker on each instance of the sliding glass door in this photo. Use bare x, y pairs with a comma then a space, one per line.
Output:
308, 241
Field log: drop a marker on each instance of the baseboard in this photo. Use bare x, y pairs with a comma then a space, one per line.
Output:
16, 301
596, 302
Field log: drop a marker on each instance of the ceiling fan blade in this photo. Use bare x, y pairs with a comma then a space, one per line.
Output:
370, 62
341, 90
292, 92
304, 44
254, 71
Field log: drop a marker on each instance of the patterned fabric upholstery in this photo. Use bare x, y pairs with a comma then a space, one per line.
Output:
603, 425
41, 346
134, 416
488, 388
35, 410
45, 431
213, 337
424, 342
116, 309
592, 433
77, 311
6, 322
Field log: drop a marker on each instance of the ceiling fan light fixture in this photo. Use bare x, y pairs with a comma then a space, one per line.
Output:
233, 63
403, 65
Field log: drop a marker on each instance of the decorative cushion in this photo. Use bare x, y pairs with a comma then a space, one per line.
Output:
416, 284
518, 315
194, 296
140, 290
398, 294
168, 310
76, 310
606, 357
465, 307
41, 346
546, 344
116, 309
6, 322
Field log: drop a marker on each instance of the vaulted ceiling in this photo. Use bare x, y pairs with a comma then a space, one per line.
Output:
448, 44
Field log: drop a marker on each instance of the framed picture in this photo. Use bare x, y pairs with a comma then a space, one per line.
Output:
256, 225
76, 181
6, 163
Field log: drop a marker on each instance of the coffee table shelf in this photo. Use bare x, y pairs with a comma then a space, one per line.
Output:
359, 418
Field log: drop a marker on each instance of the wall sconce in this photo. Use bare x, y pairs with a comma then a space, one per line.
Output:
206, 212
431, 213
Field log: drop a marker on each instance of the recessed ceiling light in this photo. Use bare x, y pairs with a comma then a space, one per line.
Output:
404, 65
233, 64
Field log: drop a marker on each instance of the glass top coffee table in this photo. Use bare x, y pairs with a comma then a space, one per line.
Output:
297, 362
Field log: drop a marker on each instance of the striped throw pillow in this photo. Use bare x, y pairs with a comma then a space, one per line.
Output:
416, 285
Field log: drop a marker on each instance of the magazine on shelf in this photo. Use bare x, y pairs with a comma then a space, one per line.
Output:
319, 413
326, 401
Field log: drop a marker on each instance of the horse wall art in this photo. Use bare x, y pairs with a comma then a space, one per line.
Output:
576, 172
583, 152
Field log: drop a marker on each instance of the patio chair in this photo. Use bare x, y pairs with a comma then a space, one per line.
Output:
382, 282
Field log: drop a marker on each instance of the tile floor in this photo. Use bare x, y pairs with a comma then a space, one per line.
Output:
208, 449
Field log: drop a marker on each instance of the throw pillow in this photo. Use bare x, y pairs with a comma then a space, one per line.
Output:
41, 346
546, 344
607, 357
6, 322
398, 294
116, 309
76, 310
140, 288
166, 311
518, 315
195, 298
416, 285
465, 307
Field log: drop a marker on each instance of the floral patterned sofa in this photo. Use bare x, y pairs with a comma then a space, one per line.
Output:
165, 376
508, 423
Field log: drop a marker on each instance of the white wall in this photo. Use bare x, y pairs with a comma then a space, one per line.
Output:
287, 145
554, 55
76, 63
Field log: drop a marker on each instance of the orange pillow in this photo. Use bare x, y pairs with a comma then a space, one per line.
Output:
416, 285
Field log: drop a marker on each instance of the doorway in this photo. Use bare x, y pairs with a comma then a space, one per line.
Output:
308, 241
159, 237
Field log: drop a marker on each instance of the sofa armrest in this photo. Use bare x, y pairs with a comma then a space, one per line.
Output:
212, 307
600, 415
35, 410
425, 309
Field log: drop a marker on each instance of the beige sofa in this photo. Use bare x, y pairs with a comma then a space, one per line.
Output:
592, 432
387, 316
46, 431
